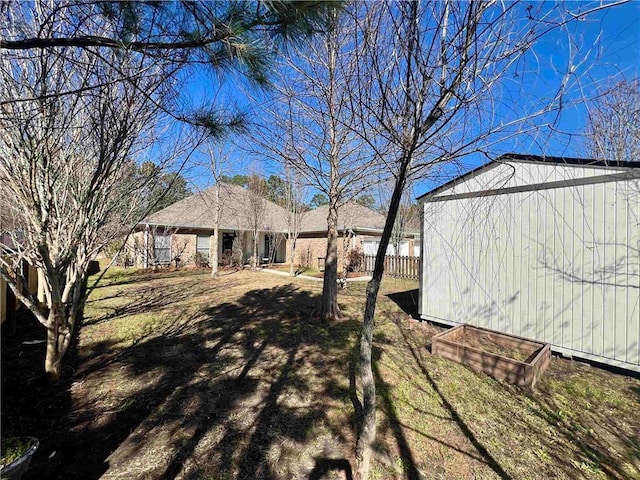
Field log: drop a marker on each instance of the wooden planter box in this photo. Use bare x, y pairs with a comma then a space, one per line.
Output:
464, 344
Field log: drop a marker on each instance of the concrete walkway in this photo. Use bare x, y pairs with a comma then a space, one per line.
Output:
313, 279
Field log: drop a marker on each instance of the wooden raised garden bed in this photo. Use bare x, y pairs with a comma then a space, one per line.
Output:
513, 359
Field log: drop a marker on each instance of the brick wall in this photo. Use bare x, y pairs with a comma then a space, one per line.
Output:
314, 248
308, 250
183, 245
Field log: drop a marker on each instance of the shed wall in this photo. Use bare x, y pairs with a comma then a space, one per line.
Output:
560, 265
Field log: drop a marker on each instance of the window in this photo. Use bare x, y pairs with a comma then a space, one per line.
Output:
162, 249
202, 246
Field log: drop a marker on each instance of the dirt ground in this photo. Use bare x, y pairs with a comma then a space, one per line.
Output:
177, 375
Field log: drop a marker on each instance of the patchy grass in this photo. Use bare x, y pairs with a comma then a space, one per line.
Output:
184, 376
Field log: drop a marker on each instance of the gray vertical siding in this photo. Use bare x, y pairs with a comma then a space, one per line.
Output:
559, 265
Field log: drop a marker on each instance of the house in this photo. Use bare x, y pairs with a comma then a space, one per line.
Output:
545, 248
358, 225
184, 230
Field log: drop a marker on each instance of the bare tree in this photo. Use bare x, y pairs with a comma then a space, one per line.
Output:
218, 164
311, 127
295, 211
65, 166
613, 131
254, 211
438, 72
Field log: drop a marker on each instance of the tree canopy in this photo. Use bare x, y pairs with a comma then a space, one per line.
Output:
163, 188
318, 200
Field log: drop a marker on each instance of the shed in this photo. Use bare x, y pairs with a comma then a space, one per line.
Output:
546, 248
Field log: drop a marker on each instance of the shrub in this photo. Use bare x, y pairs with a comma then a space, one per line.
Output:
354, 260
201, 260
237, 255
225, 259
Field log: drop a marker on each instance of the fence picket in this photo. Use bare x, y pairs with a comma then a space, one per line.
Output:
395, 266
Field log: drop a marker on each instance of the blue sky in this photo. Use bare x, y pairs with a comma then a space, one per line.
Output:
610, 38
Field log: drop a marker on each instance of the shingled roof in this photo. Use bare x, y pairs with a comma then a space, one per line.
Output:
197, 211
350, 215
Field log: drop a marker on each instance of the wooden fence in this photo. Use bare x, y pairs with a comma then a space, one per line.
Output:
395, 266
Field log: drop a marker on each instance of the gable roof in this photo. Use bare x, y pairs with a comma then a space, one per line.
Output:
350, 215
523, 158
198, 211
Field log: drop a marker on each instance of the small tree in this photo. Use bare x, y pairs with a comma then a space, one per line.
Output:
613, 131
435, 73
65, 168
311, 127
254, 211
218, 163
295, 211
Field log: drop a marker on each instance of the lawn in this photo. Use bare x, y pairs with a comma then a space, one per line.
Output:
178, 375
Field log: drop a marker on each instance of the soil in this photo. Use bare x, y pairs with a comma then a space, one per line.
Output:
488, 343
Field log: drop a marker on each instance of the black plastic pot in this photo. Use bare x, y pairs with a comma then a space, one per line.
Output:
20, 465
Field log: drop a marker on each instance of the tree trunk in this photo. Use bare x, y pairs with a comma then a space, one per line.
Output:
367, 433
329, 308
214, 253
254, 259
292, 258
213, 249
58, 339
42, 299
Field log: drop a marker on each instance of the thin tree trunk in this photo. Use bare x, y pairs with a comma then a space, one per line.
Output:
41, 291
367, 433
329, 308
254, 260
213, 250
292, 257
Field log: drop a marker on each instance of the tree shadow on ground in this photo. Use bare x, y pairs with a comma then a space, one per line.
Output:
237, 389
383, 391
416, 349
589, 413
407, 301
602, 440
324, 466
32, 405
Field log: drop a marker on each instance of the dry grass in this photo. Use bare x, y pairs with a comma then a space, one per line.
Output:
184, 376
